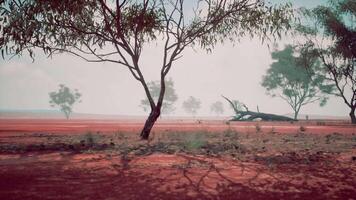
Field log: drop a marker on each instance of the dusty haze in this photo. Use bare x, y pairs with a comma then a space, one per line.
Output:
234, 71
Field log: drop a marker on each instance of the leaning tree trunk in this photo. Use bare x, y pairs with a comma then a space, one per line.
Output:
152, 118
352, 115
154, 115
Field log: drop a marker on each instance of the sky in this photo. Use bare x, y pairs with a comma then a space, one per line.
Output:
234, 71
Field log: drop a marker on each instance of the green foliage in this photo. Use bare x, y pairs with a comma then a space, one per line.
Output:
334, 40
64, 98
235, 20
298, 79
194, 141
61, 26
170, 96
191, 105
75, 26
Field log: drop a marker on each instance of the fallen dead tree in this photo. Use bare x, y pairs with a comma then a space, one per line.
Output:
242, 113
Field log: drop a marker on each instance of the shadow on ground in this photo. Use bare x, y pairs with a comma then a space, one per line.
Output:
100, 176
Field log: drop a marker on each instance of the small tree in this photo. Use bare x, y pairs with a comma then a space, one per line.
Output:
119, 31
64, 98
191, 105
296, 79
331, 31
217, 108
169, 98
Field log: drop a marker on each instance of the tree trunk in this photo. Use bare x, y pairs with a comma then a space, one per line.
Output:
155, 109
155, 113
295, 115
352, 115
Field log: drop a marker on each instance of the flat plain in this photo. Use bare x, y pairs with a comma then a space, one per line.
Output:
183, 159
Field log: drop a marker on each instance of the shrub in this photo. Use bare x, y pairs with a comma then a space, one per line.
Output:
194, 141
258, 128
302, 128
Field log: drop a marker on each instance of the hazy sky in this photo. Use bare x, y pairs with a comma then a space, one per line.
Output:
234, 71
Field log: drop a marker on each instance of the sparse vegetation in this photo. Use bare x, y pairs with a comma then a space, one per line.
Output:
194, 141
228, 142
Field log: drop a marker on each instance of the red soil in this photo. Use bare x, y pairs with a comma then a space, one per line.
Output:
158, 176
79, 126
65, 175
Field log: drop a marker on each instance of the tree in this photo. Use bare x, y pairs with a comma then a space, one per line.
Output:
217, 108
242, 113
331, 32
117, 32
191, 105
170, 96
297, 79
64, 98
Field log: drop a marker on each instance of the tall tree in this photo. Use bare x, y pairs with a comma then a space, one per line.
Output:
331, 31
170, 96
297, 79
117, 32
191, 105
65, 98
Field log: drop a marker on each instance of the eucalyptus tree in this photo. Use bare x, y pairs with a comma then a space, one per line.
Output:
297, 79
331, 31
118, 31
64, 98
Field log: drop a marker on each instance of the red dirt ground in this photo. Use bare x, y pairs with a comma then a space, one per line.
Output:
79, 126
68, 175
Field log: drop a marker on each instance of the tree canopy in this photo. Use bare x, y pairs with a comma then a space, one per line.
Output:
297, 79
64, 98
331, 32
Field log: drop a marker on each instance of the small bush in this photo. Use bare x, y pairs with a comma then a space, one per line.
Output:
258, 128
302, 128
90, 139
194, 141
230, 133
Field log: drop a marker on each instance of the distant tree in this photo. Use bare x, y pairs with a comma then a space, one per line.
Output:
64, 98
170, 96
297, 79
191, 105
217, 108
331, 31
119, 31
